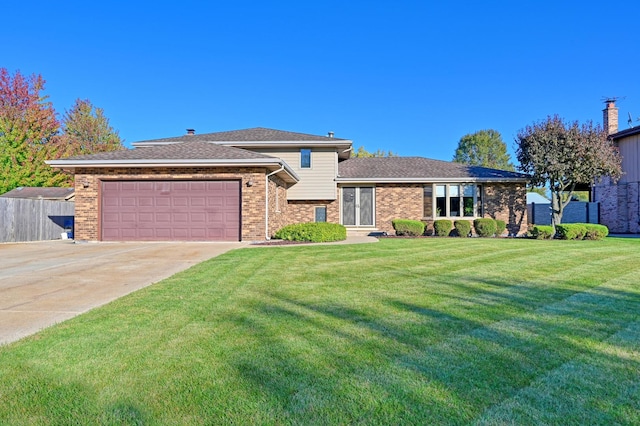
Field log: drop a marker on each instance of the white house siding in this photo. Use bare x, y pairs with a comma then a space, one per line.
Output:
317, 182
630, 153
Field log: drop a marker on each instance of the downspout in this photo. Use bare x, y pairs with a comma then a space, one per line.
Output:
266, 202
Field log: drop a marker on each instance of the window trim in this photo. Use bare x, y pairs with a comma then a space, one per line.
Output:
303, 154
478, 204
315, 213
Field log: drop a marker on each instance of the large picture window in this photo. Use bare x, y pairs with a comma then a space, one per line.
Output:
452, 200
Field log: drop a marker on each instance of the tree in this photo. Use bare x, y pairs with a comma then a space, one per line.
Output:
563, 155
85, 130
483, 148
363, 153
28, 128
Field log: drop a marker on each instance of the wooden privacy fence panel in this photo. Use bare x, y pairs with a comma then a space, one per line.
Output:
34, 220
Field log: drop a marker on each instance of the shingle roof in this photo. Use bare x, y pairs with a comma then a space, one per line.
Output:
190, 150
47, 193
416, 168
255, 134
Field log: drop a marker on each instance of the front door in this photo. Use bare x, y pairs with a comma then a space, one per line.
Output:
357, 206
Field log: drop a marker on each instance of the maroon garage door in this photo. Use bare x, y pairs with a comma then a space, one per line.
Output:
171, 210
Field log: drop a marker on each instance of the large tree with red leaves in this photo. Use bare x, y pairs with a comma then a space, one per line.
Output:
563, 155
30, 133
28, 129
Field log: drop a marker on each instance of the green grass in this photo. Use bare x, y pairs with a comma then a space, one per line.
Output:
425, 331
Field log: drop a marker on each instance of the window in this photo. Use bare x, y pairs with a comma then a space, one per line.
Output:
453, 200
441, 200
305, 158
321, 214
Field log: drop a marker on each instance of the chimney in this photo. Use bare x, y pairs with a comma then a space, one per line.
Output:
191, 131
330, 134
610, 117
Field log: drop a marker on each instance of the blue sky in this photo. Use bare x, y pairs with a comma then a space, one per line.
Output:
408, 76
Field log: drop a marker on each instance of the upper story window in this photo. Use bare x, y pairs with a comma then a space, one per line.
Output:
305, 158
453, 200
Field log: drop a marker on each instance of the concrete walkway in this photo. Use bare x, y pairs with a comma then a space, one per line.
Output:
44, 283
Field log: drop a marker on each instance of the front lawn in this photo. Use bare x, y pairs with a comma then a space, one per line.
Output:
425, 331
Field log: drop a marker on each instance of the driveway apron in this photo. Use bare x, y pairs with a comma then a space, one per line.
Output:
44, 283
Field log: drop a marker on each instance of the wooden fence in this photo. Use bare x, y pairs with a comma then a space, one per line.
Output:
34, 220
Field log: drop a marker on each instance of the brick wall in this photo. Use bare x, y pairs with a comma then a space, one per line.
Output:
619, 205
507, 202
277, 204
398, 201
88, 186
304, 211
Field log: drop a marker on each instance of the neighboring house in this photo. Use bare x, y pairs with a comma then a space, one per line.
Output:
620, 202
45, 193
247, 184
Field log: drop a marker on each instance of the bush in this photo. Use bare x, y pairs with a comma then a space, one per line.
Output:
485, 227
542, 232
442, 227
463, 227
315, 232
501, 225
410, 227
571, 231
595, 232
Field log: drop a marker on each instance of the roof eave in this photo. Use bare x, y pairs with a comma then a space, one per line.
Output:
431, 180
274, 163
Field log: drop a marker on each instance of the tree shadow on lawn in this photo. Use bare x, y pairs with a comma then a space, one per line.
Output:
334, 349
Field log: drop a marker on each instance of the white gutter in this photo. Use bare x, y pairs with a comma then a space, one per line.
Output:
257, 162
266, 202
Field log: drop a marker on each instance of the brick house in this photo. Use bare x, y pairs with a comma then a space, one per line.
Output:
620, 201
247, 184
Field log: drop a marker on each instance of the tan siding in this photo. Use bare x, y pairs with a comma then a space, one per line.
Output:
630, 152
316, 183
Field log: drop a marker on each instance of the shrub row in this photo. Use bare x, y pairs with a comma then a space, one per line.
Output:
444, 227
570, 231
581, 231
315, 232
408, 227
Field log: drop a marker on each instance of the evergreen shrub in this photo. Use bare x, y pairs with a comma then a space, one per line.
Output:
542, 232
485, 227
463, 228
408, 227
442, 227
315, 232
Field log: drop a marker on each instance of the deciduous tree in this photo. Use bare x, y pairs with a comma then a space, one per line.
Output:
28, 126
484, 148
363, 153
86, 130
563, 155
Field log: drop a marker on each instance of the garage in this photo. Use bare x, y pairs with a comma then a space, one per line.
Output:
170, 210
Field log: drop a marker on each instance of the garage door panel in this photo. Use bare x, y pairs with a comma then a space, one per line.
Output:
171, 210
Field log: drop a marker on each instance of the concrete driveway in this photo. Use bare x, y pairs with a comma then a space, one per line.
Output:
48, 282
